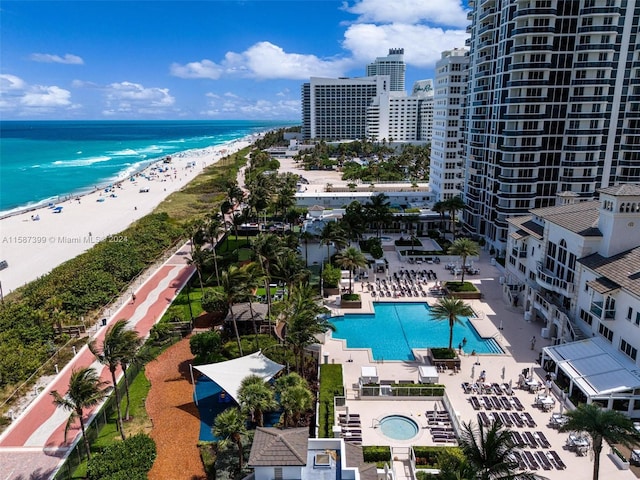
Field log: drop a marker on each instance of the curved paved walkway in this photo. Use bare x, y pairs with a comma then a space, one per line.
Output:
33, 446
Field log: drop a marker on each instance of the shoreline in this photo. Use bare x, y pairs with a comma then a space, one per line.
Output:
36, 239
125, 175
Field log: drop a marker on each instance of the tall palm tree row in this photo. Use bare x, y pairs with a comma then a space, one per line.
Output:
267, 247
602, 426
86, 390
233, 288
449, 308
119, 344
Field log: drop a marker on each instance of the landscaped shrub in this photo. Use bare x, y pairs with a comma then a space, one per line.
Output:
443, 353
427, 457
408, 242
375, 453
460, 287
130, 459
351, 297
331, 276
331, 385
206, 348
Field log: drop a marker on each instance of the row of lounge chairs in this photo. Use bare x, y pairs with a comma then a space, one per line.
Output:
440, 426
351, 427
491, 389
527, 460
496, 403
509, 419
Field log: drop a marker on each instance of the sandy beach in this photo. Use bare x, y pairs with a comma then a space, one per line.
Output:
34, 242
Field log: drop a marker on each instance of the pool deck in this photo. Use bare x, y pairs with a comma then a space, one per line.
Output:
514, 338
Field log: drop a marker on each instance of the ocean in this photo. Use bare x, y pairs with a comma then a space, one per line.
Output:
43, 160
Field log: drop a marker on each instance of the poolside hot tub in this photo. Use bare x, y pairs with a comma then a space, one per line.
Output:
398, 427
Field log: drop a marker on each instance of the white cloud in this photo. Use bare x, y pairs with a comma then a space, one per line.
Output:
19, 97
433, 12
129, 97
11, 82
68, 58
230, 106
422, 44
203, 69
264, 61
44, 97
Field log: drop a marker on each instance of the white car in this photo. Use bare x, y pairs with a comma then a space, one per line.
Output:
635, 457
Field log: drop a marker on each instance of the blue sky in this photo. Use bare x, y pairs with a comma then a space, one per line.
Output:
216, 59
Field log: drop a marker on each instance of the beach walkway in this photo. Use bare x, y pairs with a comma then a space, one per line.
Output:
33, 445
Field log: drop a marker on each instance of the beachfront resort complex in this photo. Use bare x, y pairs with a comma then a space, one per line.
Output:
440, 283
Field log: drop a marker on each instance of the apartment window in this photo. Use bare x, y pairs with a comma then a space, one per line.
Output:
583, 57
603, 56
585, 39
608, 21
587, 21
628, 350
600, 74
586, 317
605, 332
638, 318
598, 91
580, 74
605, 39
629, 313
596, 108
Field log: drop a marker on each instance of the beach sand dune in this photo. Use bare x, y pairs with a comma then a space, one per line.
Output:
34, 242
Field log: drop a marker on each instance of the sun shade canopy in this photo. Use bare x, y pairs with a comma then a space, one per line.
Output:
595, 368
229, 374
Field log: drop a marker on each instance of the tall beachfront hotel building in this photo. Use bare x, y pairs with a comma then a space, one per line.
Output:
446, 175
553, 105
392, 65
375, 107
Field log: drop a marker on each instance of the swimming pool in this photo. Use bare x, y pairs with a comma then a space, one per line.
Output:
398, 427
396, 328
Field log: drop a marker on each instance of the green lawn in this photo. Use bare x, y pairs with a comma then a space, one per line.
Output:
180, 306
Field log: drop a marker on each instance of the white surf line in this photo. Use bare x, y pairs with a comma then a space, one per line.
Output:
40, 436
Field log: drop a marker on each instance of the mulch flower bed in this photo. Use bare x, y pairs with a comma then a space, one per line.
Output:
176, 423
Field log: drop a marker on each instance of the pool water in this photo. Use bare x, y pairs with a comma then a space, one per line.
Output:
398, 427
395, 328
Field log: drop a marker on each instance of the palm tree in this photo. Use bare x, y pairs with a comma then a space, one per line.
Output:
449, 308
304, 321
291, 388
267, 248
214, 229
86, 390
305, 236
333, 233
378, 211
116, 345
601, 425
489, 451
131, 354
453, 205
255, 397
230, 426
441, 208
233, 283
295, 400
464, 247
453, 465
351, 258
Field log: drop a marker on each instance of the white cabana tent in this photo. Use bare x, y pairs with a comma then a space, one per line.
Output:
368, 374
230, 374
427, 374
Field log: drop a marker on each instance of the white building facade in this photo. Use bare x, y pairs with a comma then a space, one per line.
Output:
575, 268
446, 175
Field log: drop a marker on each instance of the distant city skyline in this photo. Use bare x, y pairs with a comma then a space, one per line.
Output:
204, 59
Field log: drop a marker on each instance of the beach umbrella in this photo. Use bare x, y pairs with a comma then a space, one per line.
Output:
510, 384
503, 372
561, 407
473, 372
500, 328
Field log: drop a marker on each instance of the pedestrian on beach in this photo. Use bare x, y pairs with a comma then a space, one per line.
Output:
533, 342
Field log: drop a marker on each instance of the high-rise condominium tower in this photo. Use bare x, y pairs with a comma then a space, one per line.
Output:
553, 105
447, 153
392, 65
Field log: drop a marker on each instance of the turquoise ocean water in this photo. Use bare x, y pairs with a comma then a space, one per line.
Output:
42, 160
